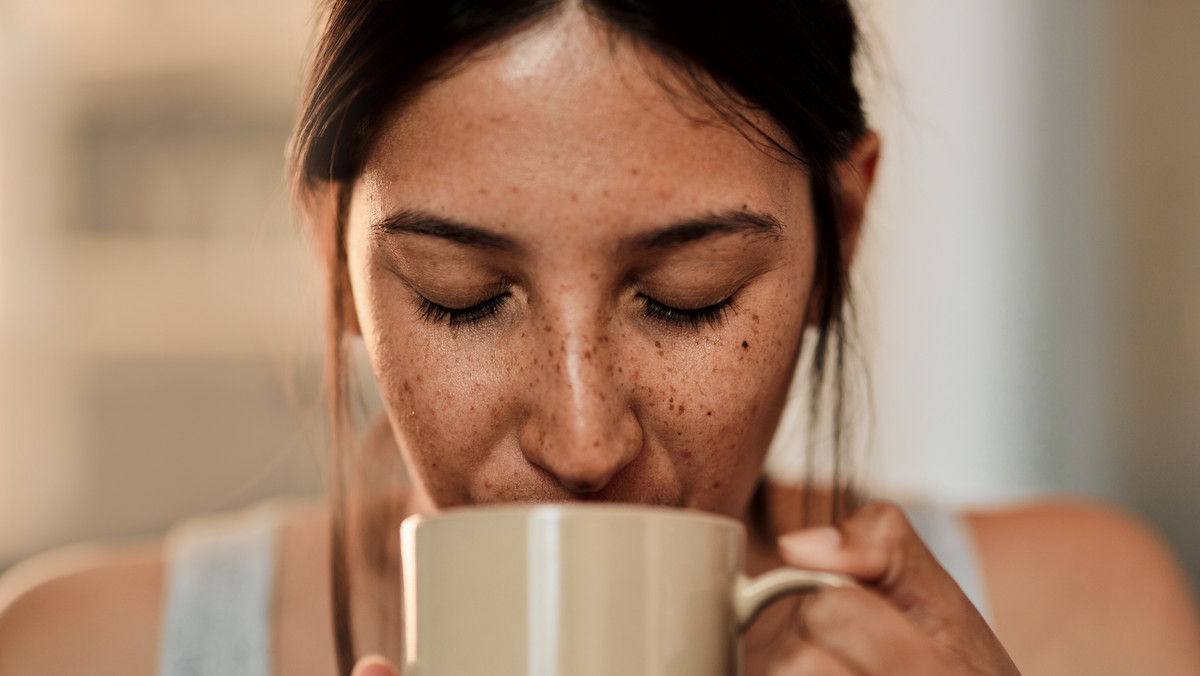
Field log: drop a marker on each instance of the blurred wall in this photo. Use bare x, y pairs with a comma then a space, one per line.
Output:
1033, 273
1153, 180
1030, 283
156, 318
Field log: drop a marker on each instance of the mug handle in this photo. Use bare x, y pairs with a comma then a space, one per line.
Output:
751, 595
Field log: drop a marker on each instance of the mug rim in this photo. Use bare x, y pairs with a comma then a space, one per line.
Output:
569, 509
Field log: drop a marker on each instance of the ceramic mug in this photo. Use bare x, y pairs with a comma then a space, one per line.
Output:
581, 590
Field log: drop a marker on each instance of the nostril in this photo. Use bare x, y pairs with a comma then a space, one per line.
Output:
582, 443
580, 482
577, 479
582, 485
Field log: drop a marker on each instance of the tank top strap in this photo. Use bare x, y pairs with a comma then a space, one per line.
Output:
219, 593
950, 540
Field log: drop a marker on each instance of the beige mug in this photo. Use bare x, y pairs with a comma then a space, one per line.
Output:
581, 590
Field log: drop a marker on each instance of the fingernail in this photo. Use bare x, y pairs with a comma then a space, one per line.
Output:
373, 665
811, 541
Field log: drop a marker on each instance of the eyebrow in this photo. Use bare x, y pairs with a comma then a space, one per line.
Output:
726, 222
422, 223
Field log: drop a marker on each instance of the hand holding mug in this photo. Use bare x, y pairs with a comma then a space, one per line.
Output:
908, 618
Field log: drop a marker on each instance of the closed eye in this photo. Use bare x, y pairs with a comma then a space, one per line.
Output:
461, 317
686, 318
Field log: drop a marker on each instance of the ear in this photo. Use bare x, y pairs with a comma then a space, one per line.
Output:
855, 177
326, 212
349, 311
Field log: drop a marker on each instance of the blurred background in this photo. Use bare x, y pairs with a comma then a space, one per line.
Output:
1029, 288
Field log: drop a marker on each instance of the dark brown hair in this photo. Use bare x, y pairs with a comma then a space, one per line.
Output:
790, 59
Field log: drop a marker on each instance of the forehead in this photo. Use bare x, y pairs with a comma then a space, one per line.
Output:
564, 123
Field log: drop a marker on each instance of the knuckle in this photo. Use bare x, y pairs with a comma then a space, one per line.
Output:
830, 608
886, 524
879, 532
891, 518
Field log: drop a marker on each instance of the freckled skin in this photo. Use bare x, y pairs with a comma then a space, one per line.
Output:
571, 148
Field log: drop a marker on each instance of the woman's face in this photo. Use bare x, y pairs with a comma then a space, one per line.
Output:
573, 284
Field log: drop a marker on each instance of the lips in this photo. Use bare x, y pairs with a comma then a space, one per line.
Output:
537, 485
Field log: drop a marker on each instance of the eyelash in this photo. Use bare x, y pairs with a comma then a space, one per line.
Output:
712, 315
459, 317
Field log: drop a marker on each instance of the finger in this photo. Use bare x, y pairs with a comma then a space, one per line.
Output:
879, 547
374, 665
809, 659
865, 631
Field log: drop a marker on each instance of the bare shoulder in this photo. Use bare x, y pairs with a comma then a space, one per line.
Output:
83, 609
1080, 587
98, 609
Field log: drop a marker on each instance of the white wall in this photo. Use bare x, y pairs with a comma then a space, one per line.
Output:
1033, 276
953, 276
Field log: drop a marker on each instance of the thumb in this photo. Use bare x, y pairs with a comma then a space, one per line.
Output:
374, 665
878, 547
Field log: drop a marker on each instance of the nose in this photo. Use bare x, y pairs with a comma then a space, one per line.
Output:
581, 428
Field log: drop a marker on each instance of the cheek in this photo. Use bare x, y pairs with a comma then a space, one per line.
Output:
450, 400
714, 409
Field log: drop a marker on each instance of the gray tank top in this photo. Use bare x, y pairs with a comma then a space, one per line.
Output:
218, 597
221, 572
